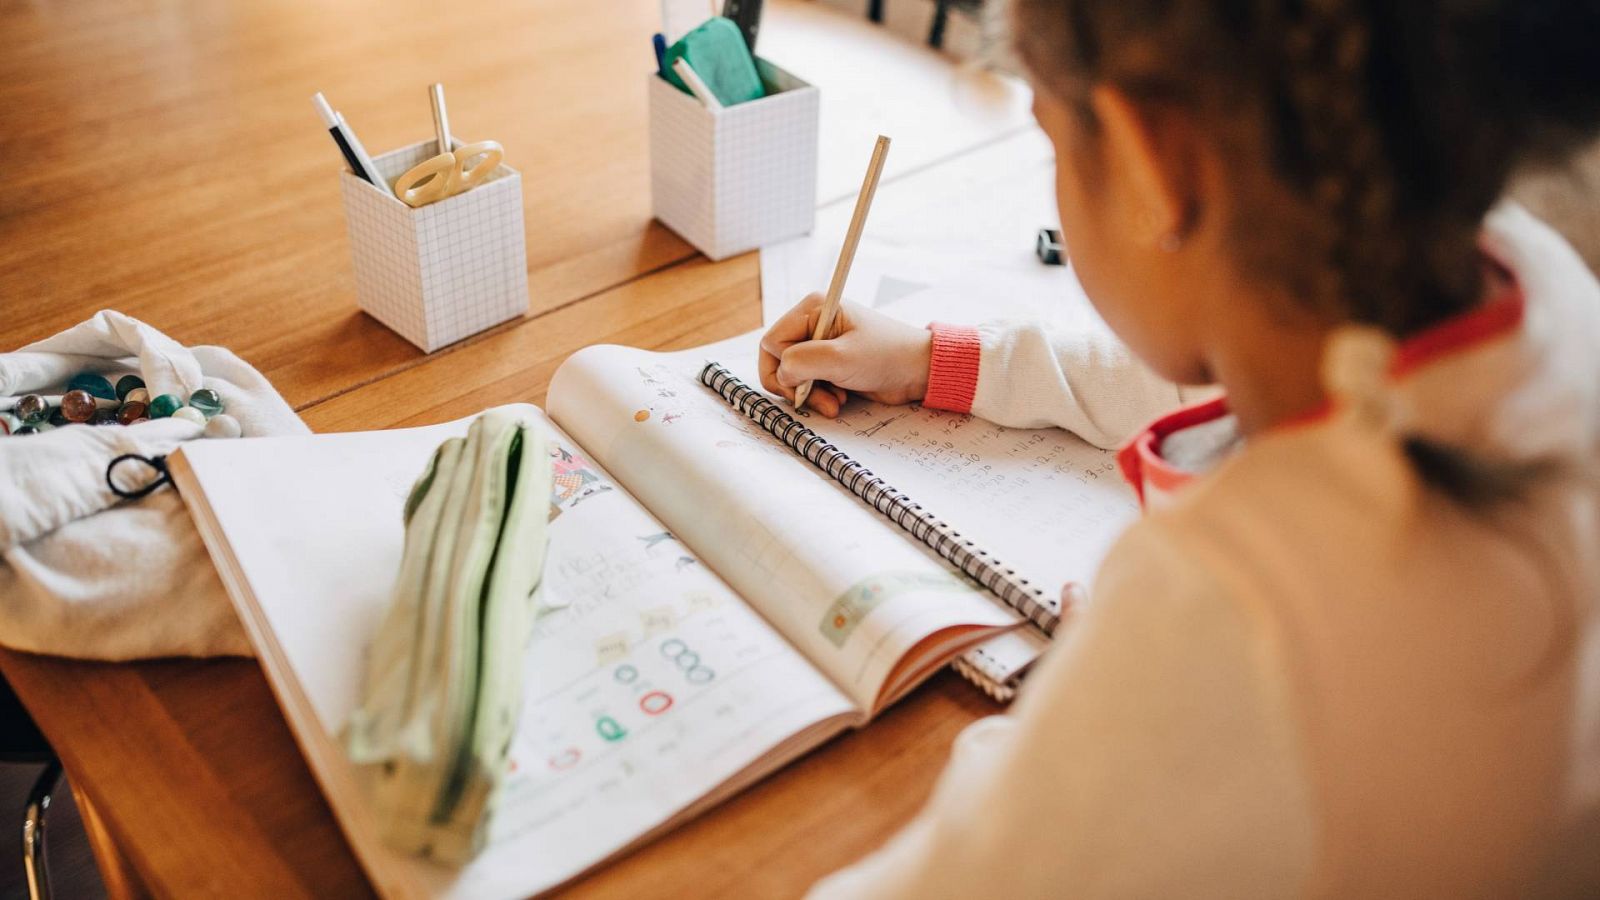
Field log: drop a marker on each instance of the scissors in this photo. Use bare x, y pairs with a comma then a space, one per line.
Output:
453, 170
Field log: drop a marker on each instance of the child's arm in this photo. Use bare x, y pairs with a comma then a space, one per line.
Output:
1025, 375
1153, 753
1016, 374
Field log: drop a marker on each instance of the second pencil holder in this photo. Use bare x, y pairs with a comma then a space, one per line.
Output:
441, 272
738, 178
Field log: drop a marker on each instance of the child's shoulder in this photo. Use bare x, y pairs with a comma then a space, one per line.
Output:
1284, 511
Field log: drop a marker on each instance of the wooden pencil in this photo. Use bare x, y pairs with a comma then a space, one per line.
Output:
847, 254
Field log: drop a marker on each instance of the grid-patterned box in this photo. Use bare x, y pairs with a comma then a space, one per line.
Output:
738, 178
437, 273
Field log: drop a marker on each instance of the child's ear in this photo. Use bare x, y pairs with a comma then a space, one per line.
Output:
1153, 151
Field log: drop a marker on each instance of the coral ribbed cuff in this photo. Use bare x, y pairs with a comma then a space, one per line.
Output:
953, 368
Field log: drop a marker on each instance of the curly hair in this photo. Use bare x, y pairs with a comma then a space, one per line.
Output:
1382, 133
1391, 127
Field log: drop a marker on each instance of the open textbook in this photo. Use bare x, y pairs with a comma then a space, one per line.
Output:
714, 604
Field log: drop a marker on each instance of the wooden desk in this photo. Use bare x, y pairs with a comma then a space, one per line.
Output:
167, 163
204, 789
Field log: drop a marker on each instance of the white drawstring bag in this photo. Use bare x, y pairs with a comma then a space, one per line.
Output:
86, 573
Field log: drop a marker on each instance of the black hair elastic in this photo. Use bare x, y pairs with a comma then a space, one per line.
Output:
158, 463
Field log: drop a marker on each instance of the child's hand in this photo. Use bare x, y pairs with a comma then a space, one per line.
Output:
882, 359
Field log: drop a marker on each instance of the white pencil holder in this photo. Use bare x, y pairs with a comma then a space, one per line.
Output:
437, 273
738, 178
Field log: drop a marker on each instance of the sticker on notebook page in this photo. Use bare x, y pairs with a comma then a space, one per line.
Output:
574, 480
840, 619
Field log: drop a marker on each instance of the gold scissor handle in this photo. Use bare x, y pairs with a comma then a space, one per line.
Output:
492, 154
447, 174
427, 181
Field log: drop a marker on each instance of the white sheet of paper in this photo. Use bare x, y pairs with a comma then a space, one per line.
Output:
968, 222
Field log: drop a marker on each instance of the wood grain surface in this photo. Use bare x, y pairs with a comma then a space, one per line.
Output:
165, 161
201, 785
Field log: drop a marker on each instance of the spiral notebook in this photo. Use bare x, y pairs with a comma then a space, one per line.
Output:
1019, 514
1042, 610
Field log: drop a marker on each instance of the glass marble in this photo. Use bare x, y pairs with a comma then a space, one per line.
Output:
137, 395
105, 416
9, 423
127, 384
164, 405
32, 409
207, 401
131, 412
189, 414
57, 417
78, 405
93, 382
223, 425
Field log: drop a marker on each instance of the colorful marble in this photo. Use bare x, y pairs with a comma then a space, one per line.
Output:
57, 418
9, 423
131, 412
77, 405
137, 395
94, 383
223, 425
164, 405
127, 384
206, 400
32, 409
189, 414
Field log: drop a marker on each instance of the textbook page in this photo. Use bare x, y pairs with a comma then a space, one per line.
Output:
854, 596
649, 684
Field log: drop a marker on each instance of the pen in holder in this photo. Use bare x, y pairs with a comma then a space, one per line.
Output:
735, 178
441, 271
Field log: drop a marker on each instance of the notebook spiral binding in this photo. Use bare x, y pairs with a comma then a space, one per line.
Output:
1000, 691
1033, 603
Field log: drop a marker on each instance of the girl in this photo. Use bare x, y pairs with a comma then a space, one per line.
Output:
1353, 648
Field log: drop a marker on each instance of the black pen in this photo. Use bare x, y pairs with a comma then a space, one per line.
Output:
354, 154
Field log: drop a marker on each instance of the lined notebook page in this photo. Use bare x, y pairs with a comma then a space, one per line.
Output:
1044, 501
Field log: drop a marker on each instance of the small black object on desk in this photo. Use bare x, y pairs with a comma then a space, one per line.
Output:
1049, 248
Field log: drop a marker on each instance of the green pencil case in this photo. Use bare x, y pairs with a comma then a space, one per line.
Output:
717, 53
443, 684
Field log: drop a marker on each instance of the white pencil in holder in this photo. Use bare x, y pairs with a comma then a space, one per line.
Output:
441, 272
737, 178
